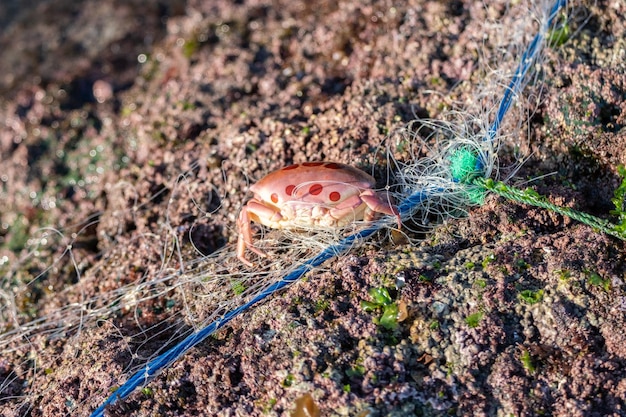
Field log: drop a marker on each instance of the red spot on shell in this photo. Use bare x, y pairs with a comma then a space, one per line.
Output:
289, 189
274, 198
312, 164
334, 196
315, 189
294, 166
332, 165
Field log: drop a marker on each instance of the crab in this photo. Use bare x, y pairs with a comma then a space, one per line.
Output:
311, 194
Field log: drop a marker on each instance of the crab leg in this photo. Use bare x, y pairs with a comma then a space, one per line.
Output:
245, 238
258, 211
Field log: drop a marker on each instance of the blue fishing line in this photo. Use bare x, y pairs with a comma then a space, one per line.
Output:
526, 61
406, 208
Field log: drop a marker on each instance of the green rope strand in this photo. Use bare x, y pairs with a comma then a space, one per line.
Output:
466, 168
533, 198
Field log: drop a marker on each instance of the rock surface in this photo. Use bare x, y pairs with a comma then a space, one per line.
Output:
511, 310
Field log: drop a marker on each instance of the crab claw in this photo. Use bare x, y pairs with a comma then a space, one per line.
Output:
376, 204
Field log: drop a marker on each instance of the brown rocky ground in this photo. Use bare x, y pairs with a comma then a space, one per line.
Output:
105, 104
